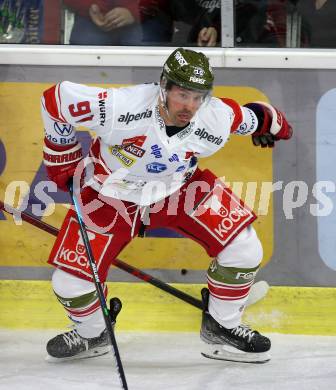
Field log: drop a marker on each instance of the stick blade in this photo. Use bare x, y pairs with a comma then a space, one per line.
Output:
115, 307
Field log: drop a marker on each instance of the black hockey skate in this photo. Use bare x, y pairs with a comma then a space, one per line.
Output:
70, 346
240, 344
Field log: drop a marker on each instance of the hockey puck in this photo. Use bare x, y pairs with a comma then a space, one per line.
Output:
183, 271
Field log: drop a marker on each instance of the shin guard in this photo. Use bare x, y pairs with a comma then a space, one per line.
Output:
230, 277
79, 299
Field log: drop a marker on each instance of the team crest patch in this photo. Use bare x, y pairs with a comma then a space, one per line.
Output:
223, 214
69, 250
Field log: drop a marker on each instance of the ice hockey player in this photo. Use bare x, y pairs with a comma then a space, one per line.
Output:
142, 173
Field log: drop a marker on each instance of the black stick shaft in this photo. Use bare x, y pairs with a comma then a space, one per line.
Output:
117, 262
99, 289
158, 283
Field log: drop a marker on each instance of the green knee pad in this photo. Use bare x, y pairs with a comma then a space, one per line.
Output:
78, 302
231, 275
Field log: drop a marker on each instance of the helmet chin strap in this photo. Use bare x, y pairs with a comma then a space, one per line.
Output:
164, 104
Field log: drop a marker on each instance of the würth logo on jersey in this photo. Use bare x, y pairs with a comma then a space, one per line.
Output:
102, 95
202, 134
135, 117
102, 107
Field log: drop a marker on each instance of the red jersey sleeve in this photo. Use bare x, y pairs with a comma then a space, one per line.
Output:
237, 113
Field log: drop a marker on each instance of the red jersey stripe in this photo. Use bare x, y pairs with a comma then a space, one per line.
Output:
60, 102
238, 116
50, 104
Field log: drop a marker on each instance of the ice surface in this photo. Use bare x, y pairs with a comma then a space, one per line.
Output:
167, 361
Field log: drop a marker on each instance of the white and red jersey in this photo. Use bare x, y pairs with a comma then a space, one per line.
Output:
133, 158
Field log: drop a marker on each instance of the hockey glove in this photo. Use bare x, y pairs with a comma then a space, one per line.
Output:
272, 125
61, 162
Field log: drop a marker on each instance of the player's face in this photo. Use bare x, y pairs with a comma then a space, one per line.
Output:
183, 104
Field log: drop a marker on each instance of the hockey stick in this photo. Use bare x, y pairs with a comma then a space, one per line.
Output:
115, 303
258, 290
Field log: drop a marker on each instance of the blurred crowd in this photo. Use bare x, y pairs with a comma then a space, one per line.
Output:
257, 23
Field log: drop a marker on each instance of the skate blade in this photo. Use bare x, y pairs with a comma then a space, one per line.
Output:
231, 354
83, 355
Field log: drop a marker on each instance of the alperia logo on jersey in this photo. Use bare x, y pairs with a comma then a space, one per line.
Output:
156, 151
202, 134
174, 158
134, 117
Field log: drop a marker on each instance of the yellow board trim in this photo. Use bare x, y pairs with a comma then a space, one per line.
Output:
294, 310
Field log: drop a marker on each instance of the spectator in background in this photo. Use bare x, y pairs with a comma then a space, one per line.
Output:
318, 23
276, 23
254, 25
156, 21
202, 17
104, 22
205, 19
260, 23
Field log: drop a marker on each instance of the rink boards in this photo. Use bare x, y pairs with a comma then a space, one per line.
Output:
292, 310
